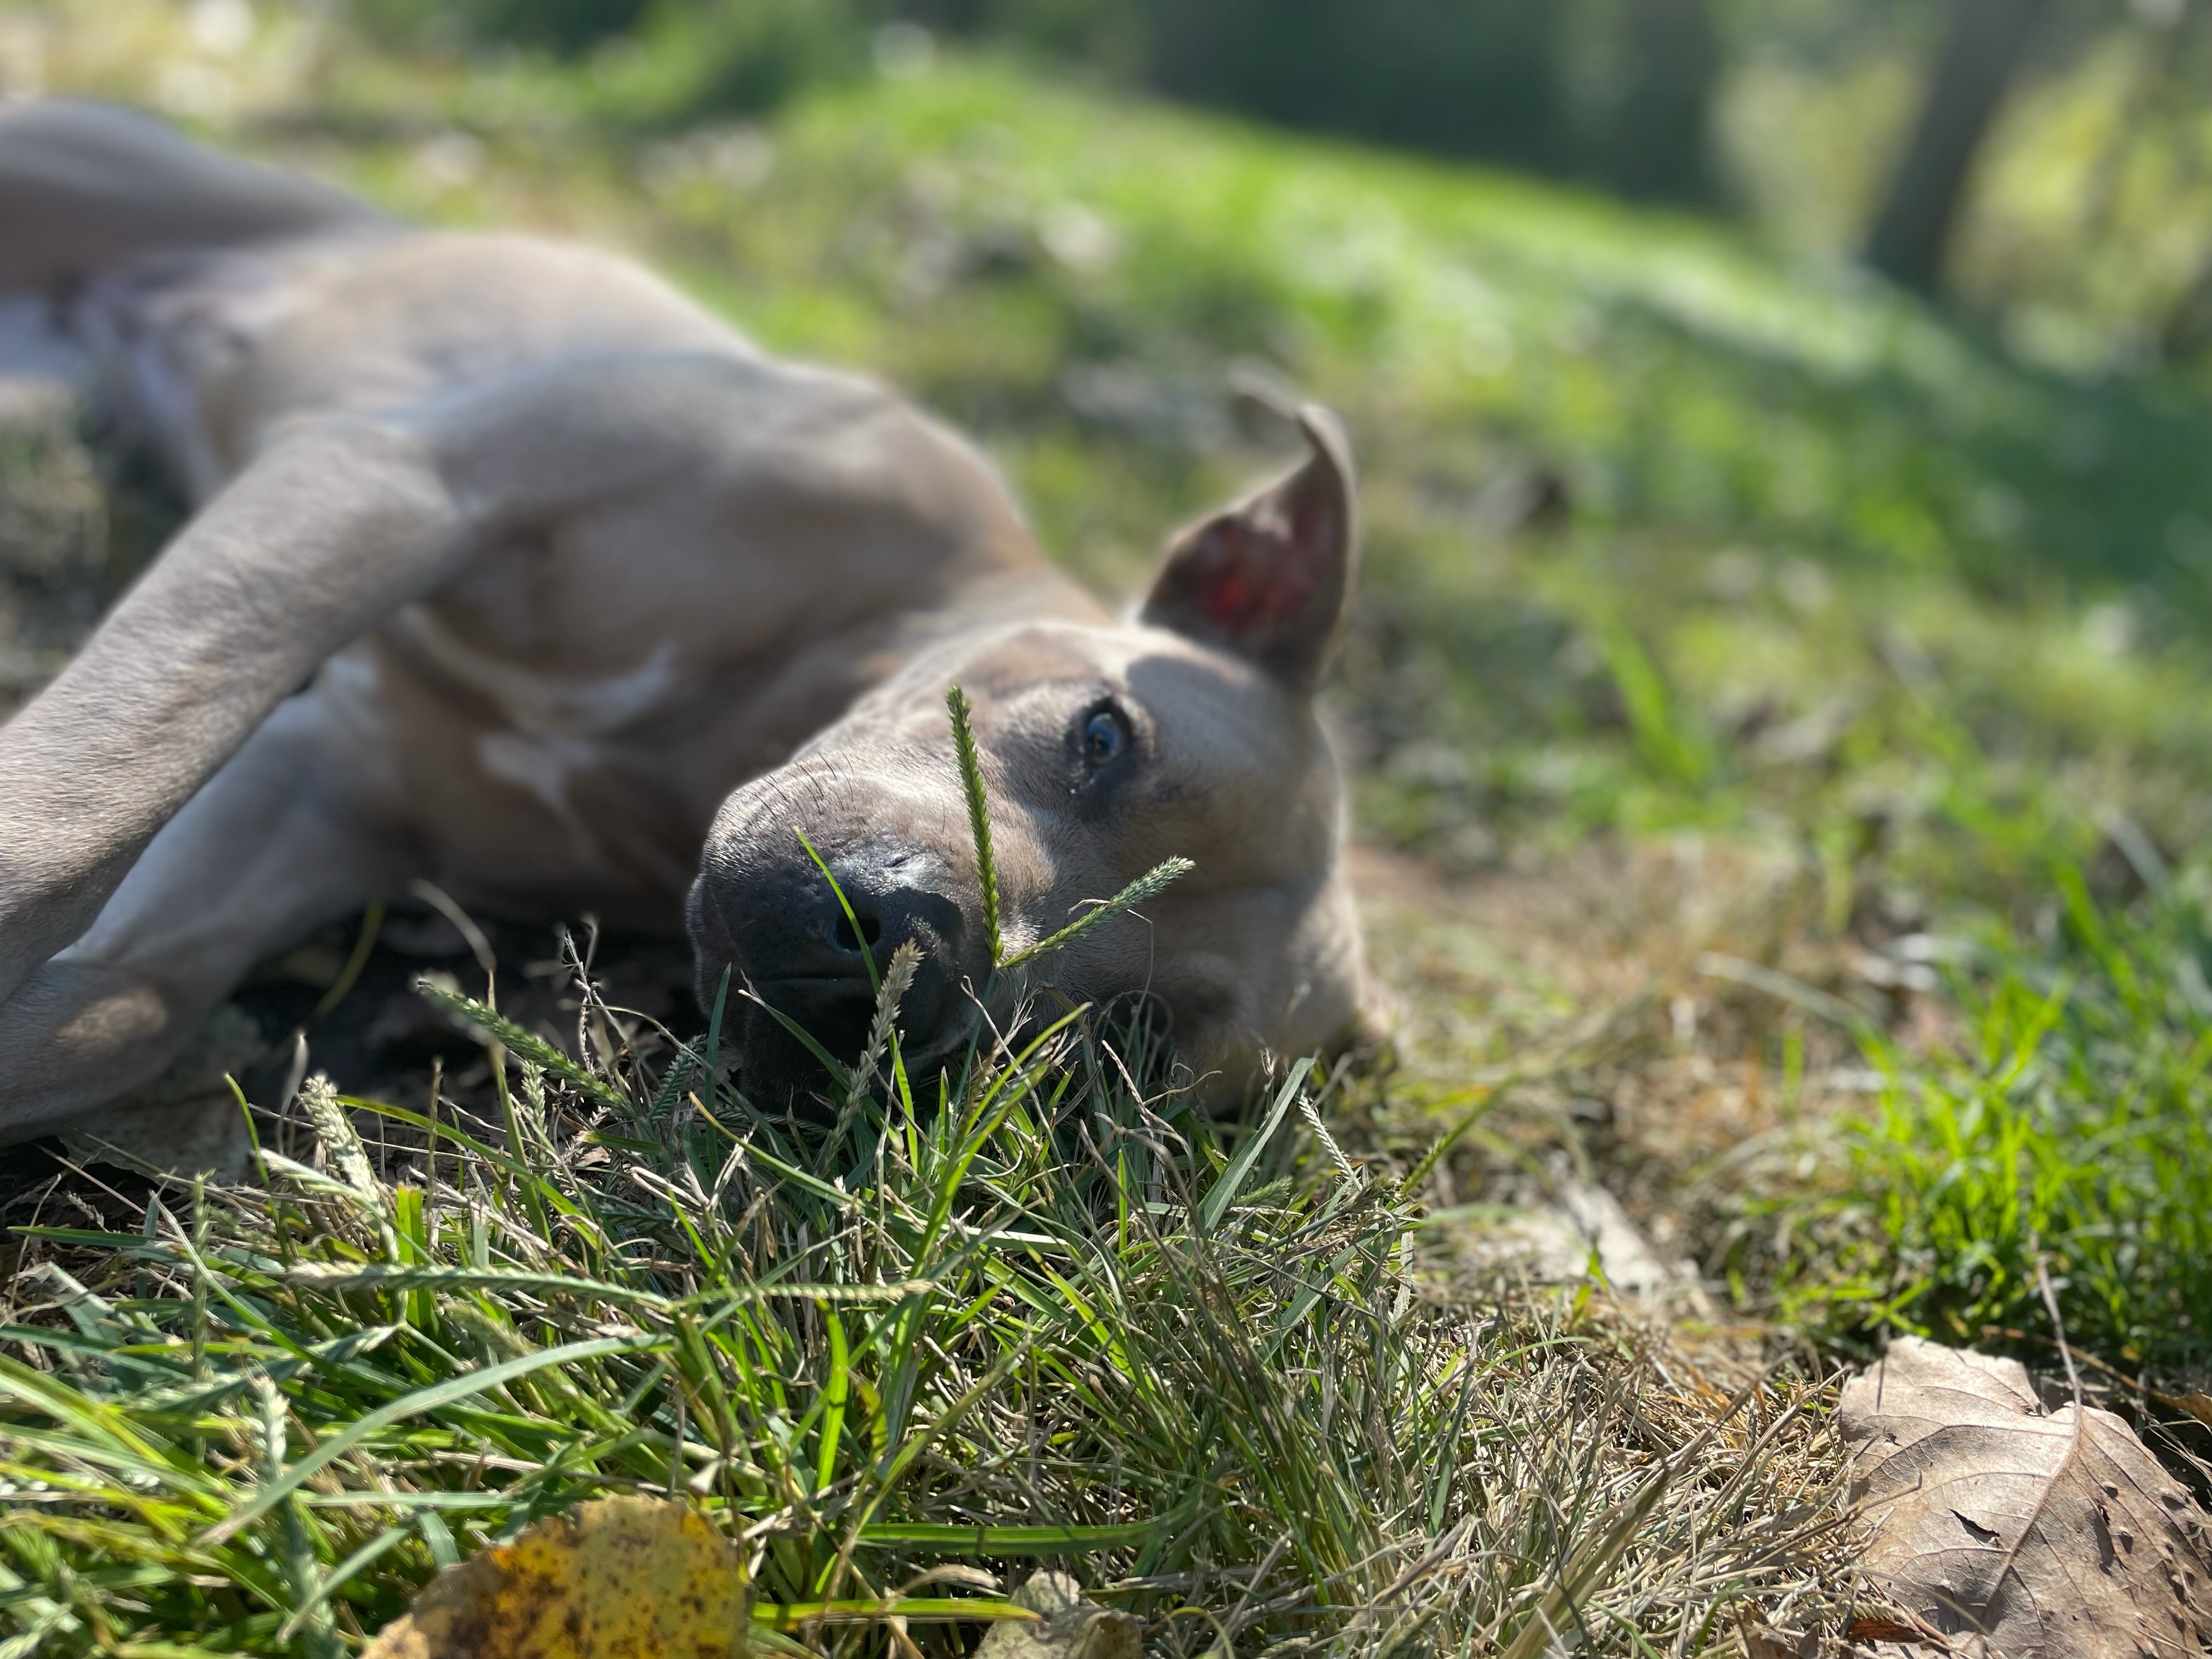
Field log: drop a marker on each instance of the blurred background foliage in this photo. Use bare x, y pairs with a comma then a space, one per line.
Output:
2079, 129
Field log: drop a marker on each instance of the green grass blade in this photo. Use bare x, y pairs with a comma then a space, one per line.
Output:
338, 1576
376, 1276
837, 892
837, 1397
443, 1393
982, 1540
1216, 1202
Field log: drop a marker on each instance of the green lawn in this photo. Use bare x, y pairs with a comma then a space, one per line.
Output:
1681, 559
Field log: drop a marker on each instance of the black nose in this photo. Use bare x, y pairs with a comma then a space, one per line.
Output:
788, 941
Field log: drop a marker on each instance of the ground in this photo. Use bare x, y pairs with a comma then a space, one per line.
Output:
1778, 712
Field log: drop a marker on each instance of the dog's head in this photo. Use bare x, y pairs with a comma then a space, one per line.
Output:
1189, 732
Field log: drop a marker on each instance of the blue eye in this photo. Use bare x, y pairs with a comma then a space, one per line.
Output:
1105, 736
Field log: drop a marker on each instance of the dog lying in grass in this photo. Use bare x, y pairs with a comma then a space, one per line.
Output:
513, 571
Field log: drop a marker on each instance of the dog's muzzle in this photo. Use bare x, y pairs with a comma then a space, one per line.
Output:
777, 928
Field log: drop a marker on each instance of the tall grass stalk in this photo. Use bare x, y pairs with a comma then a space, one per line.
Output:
979, 812
1154, 882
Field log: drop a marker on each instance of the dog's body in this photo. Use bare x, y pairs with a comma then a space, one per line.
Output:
509, 565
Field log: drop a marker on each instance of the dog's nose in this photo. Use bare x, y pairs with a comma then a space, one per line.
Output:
817, 937
793, 945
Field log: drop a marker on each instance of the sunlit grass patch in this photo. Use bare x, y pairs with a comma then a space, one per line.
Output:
2066, 1135
1053, 1311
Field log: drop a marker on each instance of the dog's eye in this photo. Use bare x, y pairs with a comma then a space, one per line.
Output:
1105, 736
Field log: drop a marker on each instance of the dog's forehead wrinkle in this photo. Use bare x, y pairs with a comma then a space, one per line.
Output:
1009, 660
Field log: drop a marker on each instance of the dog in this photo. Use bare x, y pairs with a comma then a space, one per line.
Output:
512, 570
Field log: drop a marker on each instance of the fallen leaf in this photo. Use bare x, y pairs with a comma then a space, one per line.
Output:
1068, 1626
618, 1578
2054, 1534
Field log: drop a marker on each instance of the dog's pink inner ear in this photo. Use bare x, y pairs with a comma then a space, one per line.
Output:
1271, 577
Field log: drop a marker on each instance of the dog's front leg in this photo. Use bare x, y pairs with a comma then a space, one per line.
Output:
315, 544
317, 541
296, 829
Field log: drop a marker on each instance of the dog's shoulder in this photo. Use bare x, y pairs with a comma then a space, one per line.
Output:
779, 437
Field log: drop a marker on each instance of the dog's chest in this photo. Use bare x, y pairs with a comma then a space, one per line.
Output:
536, 777
527, 787
539, 696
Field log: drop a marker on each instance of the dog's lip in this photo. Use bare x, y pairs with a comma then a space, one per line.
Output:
762, 980
931, 1058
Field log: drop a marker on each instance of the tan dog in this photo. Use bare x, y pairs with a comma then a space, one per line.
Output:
510, 565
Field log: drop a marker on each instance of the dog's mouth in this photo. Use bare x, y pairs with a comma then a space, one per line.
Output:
786, 1026
806, 972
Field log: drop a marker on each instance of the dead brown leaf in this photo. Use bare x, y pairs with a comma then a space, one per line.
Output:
2049, 1532
1762, 1641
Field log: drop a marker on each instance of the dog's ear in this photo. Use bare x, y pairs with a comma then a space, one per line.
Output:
1271, 577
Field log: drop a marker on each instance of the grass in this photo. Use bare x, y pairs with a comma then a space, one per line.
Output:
1056, 1310
2066, 1128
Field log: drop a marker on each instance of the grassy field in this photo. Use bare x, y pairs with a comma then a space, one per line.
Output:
1779, 718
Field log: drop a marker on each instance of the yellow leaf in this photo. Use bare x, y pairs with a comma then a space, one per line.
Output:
619, 1578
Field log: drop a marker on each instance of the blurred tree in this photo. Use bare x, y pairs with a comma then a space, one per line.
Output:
1462, 78
1618, 90
567, 27
1982, 48
1650, 69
